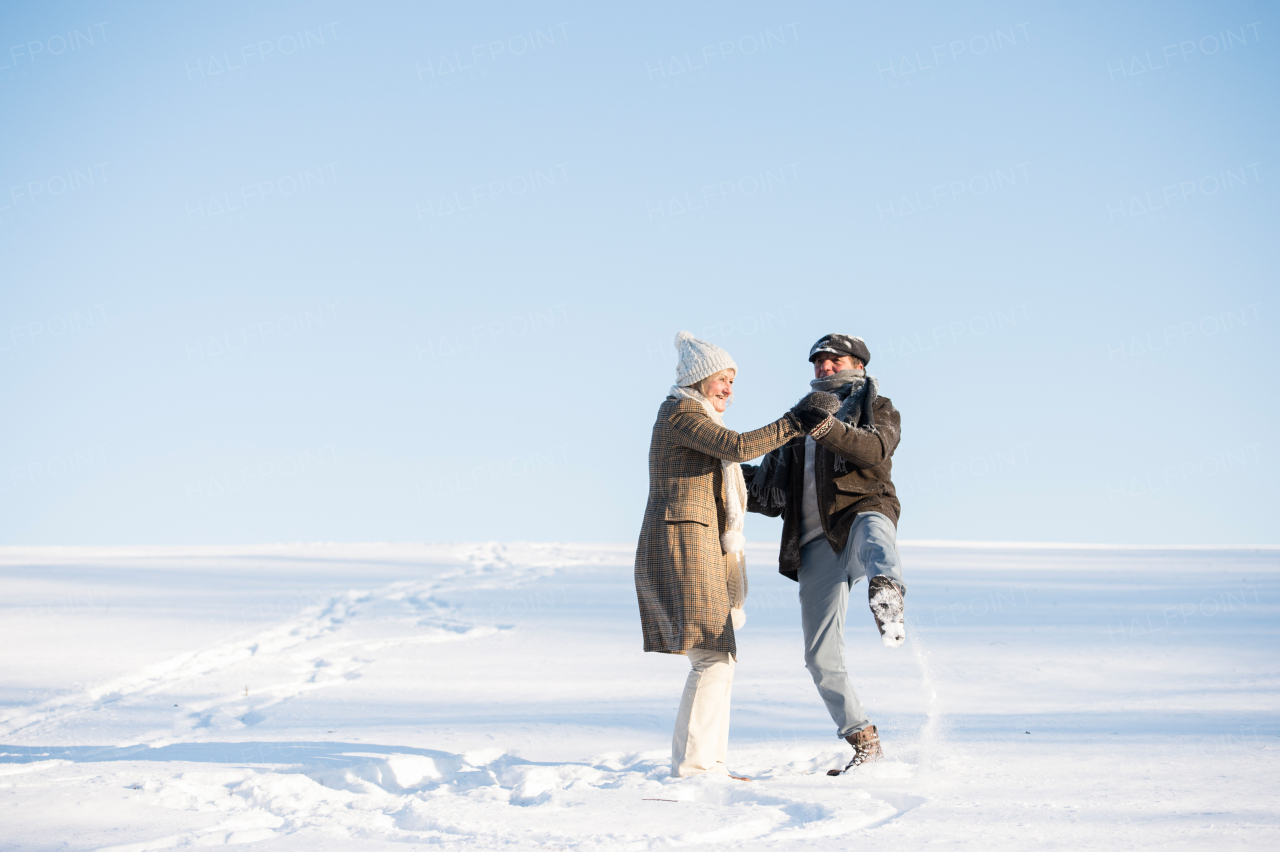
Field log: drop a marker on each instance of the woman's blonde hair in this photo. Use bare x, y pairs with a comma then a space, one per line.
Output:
701, 387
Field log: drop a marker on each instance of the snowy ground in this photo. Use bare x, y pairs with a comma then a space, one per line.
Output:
490, 696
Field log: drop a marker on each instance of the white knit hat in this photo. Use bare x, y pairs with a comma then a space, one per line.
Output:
699, 359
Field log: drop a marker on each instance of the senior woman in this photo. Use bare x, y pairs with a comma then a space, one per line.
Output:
690, 571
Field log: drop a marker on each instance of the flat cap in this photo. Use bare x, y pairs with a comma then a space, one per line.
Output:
842, 344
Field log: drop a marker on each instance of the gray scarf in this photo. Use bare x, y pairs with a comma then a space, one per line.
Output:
835, 383
858, 393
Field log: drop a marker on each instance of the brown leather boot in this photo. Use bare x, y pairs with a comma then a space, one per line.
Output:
866, 749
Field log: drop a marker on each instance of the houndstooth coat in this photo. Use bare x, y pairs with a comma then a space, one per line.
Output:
681, 578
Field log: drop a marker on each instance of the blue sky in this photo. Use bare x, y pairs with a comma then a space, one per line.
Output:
331, 273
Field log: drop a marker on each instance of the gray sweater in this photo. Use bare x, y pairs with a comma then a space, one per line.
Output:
810, 519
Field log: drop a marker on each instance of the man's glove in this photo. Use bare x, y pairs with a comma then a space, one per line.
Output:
813, 410
810, 418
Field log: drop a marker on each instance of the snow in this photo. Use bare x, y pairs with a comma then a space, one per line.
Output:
494, 696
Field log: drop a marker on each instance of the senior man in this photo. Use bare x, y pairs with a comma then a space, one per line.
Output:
834, 490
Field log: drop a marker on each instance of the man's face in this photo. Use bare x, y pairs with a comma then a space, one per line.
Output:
828, 364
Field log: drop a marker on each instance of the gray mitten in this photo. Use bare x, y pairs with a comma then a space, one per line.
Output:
821, 400
814, 409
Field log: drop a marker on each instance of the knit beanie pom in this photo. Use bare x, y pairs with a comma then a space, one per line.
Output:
682, 336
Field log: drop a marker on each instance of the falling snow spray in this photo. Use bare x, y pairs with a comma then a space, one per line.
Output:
929, 733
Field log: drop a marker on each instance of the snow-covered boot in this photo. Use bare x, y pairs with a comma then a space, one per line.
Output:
866, 749
885, 599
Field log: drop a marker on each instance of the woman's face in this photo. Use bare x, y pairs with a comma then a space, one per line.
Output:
719, 389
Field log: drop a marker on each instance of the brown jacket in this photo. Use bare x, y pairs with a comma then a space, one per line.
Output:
681, 579
866, 487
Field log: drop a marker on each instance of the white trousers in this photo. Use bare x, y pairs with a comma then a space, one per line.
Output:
701, 738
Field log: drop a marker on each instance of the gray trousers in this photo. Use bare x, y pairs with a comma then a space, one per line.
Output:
825, 580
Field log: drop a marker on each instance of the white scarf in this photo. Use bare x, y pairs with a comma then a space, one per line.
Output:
732, 541
735, 486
